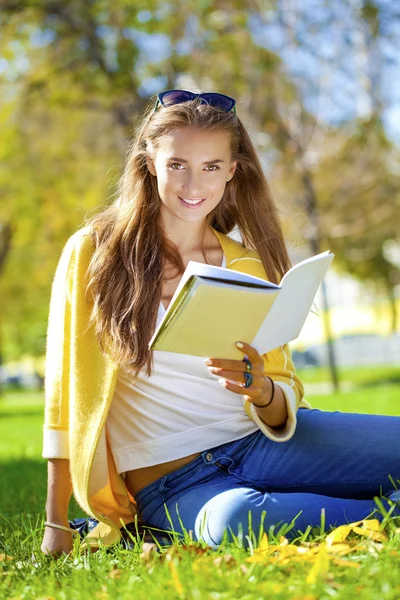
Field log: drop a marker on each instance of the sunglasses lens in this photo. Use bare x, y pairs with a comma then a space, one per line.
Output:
219, 101
172, 97
176, 97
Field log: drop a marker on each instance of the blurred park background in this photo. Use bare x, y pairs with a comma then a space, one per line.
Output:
317, 85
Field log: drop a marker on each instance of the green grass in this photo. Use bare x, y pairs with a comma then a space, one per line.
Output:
181, 571
363, 376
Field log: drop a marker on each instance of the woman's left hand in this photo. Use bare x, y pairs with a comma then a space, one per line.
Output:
235, 369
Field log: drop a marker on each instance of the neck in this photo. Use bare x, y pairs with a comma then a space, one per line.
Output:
187, 236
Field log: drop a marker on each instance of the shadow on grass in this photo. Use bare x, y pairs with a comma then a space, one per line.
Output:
22, 412
393, 378
23, 490
23, 486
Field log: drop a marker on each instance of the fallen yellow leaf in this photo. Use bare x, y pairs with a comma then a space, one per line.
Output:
342, 562
149, 549
338, 535
333, 547
373, 524
5, 558
174, 575
369, 528
341, 549
283, 541
320, 566
115, 573
371, 534
264, 544
228, 559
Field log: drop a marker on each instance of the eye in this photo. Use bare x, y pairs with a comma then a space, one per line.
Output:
214, 167
172, 165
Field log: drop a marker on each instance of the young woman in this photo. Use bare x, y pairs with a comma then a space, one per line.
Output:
135, 432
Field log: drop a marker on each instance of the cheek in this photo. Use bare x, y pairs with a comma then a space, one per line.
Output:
222, 181
165, 180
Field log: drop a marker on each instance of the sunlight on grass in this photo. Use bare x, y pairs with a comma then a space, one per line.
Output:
359, 559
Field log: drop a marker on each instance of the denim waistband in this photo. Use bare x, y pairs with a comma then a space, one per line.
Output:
206, 457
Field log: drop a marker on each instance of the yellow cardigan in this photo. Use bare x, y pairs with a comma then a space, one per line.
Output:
80, 382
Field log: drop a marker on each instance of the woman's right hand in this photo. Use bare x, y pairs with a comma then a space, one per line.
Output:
56, 541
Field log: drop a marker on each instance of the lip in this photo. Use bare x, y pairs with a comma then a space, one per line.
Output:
192, 205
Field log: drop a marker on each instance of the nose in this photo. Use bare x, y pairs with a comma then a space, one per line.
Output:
193, 185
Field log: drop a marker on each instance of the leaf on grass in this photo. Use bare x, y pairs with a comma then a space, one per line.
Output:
372, 535
333, 546
338, 535
5, 558
372, 524
321, 565
343, 549
193, 549
115, 573
102, 594
369, 528
228, 559
174, 575
148, 550
264, 544
342, 562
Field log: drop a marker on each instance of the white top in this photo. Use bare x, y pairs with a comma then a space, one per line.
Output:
181, 409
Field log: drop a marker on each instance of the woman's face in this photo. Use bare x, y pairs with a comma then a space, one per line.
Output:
192, 168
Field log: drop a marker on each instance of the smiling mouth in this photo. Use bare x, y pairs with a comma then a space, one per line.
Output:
192, 201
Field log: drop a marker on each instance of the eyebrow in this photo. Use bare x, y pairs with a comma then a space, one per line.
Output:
206, 162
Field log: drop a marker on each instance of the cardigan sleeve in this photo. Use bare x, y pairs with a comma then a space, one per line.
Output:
278, 365
58, 340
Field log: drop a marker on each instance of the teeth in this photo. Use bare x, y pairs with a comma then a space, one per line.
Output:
192, 201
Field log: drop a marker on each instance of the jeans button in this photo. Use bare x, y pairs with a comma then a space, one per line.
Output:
209, 456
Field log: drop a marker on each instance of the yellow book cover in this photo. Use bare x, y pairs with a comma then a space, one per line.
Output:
214, 306
211, 315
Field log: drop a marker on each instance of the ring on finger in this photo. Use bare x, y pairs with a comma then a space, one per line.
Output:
248, 364
248, 380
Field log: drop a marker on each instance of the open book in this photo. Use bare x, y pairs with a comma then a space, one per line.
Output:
213, 307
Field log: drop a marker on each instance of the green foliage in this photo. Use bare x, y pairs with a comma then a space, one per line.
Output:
75, 86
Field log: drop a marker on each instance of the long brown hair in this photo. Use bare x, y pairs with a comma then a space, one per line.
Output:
131, 249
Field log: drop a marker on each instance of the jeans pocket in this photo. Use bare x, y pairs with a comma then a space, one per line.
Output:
224, 464
236, 470
229, 467
152, 504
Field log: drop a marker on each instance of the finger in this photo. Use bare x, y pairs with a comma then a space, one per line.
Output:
253, 354
234, 365
253, 392
236, 374
237, 365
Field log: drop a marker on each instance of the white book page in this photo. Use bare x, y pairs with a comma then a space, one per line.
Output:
292, 305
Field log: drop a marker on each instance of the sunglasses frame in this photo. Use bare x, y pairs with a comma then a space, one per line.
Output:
193, 97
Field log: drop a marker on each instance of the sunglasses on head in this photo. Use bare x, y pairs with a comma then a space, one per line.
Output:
171, 97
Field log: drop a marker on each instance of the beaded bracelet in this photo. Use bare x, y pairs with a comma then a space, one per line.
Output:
272, 396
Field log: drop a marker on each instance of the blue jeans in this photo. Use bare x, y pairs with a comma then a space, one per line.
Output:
335, 461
